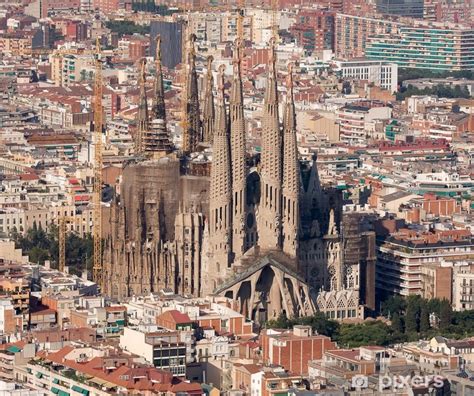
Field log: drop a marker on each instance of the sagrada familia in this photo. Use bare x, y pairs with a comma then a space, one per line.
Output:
258, 229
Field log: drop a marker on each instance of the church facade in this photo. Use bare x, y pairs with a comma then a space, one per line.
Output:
268, 236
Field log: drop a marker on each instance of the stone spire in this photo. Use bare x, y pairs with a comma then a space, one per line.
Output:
192, 130
159, 110
269, 211
239, 168
220, 197
142, 115
291, 174
208, 111
332, 228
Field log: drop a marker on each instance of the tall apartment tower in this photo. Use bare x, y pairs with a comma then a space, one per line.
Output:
269, 210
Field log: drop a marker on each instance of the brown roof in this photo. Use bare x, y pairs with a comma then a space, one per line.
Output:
175, 316
44, 140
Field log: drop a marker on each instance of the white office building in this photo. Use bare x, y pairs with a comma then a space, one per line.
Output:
382, 74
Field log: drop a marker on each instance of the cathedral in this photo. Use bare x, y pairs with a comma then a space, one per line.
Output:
260, 230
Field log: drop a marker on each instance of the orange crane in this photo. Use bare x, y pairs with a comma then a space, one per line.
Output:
240, 20
184, 92
275, 20
97, 189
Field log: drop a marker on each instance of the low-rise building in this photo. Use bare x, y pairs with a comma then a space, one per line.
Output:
380, 73
90, 371
354, 120
293, 349
163, 349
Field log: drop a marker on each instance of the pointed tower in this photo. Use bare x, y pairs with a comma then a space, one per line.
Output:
208, 115
220, 211
239, 168
269, 210
291, 175
192, 132
142, 115
159, 110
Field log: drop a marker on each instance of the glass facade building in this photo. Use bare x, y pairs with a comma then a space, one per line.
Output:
425, 47
407, 8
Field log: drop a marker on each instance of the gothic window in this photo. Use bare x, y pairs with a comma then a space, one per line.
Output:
332, 278
330, 304
341, 304
349, 278
352, 303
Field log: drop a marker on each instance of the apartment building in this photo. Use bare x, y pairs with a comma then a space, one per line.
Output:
463, 288
293, 349
69, 69
353, 32
356, 120
163, 349
402, 256
314, 30
78, 369
434, 47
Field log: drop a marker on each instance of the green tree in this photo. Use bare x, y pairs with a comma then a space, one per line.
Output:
321, 324
41, 246
282, 322
38, 255
394, 304
412, 316
127, 28
318, 322
367, 333
424, 317
445, 315
397, 323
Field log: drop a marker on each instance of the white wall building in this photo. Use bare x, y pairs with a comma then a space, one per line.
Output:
382, 74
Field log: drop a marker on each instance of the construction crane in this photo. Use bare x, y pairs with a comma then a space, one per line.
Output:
240, 20
97, 189
184, 93
275, 20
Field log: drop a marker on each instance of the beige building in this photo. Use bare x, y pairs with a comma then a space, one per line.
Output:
463, 288
320, 123
10, 253
11, 219
70, 68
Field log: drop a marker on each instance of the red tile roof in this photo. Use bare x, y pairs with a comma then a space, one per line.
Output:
132, 378
175, 316
28, 176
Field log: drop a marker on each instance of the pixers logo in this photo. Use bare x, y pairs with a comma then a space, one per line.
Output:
399, 382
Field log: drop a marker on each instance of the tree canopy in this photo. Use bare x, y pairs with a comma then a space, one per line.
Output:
411, 318
410, 74
40, 246
440, 90
127, 28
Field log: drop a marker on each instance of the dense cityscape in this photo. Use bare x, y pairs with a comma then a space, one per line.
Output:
202, 197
